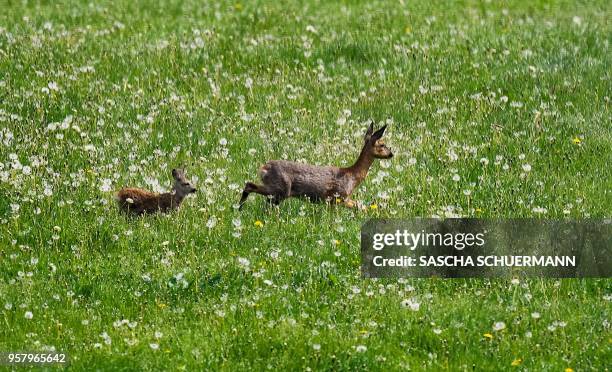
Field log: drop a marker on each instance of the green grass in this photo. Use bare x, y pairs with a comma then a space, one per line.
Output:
153, 85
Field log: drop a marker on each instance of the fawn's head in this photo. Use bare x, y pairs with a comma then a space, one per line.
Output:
181, 185
375, 144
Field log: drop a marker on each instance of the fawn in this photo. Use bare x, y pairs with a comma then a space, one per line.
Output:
139, 201
284, 179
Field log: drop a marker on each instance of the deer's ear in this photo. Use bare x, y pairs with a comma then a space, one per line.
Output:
379, 133
175, 173
368, 134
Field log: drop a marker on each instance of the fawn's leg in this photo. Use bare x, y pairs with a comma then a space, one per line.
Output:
249, 188
349, 203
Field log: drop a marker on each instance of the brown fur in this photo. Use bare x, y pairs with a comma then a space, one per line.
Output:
138, 201
285, 179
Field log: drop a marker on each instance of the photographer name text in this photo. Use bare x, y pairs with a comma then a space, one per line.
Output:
477, 261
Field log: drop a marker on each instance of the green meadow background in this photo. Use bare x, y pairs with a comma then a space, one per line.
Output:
495, 109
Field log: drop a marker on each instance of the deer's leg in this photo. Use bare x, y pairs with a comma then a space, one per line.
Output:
251, 187
349, 203
135, 210
282, 191
275, 200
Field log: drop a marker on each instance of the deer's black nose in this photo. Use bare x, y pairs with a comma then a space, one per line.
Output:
390, 155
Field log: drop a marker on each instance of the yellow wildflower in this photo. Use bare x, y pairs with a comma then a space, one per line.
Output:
516, 362
568, 369
258, 223
576, 141
374, 206
488, 336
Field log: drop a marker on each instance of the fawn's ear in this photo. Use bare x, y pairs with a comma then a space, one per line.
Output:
379, 133
368, 134
177, 173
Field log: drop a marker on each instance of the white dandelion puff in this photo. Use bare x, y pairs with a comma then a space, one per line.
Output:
498, 326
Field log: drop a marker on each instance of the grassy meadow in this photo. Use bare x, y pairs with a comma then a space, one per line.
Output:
495, 109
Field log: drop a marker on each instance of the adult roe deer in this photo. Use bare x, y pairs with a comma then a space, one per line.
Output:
284, 179
139, 201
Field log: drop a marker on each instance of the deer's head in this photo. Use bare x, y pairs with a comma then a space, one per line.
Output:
181, 185
374, 143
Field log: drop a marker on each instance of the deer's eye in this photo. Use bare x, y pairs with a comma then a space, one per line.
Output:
185, 183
